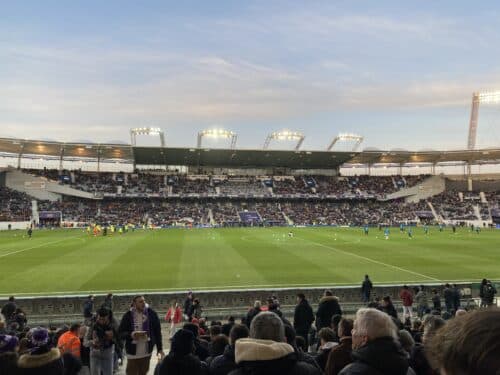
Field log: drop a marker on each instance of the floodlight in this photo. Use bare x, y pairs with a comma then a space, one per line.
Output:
217, 133
134, 132
486, 97
285, 135
346, 137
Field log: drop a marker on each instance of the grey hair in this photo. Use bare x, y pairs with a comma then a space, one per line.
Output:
257, 304
374, 324
267, 326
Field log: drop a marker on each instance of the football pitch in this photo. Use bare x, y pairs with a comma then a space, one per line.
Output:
72, 262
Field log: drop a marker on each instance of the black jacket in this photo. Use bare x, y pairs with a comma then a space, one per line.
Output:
252, 313
328, 307
46, 362
126, 328
303, 317
182, 365
8, 363
223, 364
8, 310
288, 365
366, 287
380, 356
448, 298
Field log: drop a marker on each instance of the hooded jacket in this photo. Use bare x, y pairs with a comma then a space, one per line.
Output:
380, 356
41, 361
263, 357
328, 307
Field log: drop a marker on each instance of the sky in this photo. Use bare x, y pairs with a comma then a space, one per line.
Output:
399, 73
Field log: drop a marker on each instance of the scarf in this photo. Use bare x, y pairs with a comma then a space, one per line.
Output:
144, 326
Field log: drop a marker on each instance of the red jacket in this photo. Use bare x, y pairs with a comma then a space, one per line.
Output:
407, 297
174, 315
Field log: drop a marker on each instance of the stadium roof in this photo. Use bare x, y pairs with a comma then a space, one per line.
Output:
70, 149
207, 157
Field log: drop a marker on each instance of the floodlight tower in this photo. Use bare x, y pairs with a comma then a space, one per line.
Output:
134, 132
285, 135
217, 134
358, 139
487, 97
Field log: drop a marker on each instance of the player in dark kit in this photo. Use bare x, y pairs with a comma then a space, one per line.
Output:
30, 232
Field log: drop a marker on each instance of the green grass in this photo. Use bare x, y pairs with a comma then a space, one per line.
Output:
72, 262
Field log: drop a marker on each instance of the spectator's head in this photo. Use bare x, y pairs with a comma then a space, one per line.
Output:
267, 326
328, 293
468, 345
75, 328
90, 297
366, 277
460, 312
182, 343
405, 287
12, 299
139, 303
215, 331
257, 304
345, 327
431, 325
8, 343
387, 301
371, 324
446, 285
191, 327
238, 331
103, 316
326, 335
218, 344
109, 296
300, 297
406, 340
39, 337
334, 322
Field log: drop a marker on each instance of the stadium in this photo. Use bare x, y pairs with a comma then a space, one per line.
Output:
213, 257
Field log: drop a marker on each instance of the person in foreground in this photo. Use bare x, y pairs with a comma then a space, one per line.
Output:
266, 351
375, 349
141, 330
468, 344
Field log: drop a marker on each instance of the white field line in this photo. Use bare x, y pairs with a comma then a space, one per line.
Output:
37, 246
227, 288
371, 260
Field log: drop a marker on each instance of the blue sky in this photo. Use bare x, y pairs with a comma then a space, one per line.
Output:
399, 73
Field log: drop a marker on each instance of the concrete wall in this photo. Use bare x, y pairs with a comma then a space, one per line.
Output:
215, 304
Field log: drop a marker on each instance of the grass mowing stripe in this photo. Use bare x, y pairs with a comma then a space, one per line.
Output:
37, 246
371, 260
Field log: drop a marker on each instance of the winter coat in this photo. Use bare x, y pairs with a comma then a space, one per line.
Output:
303, 317
449, 299
252, 313
436, 302
390, 310
407, 297
181, 365
379, 356
366, 287
8, 310
225, 363
323, 354
456, 298
126, 328
8, 363
340, 356
41, 361
88, 306
421, 298
328, 307
174, 315
266, 357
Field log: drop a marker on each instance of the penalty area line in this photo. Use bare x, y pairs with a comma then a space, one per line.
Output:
370, 260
